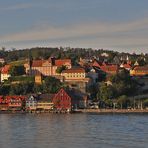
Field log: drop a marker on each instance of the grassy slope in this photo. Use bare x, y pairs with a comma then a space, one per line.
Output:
16, 63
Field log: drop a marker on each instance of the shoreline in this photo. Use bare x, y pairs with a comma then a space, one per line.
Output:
93, 111
106, 111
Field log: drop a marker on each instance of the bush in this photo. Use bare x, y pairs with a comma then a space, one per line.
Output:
22, 79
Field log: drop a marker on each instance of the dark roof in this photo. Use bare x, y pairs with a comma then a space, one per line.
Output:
46, 97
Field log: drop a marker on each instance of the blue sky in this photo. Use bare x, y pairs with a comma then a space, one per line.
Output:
110, 24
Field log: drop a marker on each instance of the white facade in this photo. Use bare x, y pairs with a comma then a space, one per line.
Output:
5, 77
31, 103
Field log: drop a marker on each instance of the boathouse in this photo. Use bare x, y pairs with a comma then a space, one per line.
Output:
69, 99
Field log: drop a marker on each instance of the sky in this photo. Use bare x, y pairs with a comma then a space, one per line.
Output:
120, 25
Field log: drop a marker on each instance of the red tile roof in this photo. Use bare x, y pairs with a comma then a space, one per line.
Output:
74, 70
61, 62
129, 62
97, 63
111, 68
15, 97
141, 68
106, 67
38, 63
127, 66
5, 69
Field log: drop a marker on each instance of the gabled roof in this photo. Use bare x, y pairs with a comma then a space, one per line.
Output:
97, 63
53, 61
61, 62
72, 93
126, 65
136, 63
110, 68
5, 69
31, 98
74, 70
38, 63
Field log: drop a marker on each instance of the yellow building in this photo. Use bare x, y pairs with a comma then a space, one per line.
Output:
38, 79
76, 78
139, 71
41, 105
45, 102
74, 74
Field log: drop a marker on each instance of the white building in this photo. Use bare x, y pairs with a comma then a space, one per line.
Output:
5, 73
31, 103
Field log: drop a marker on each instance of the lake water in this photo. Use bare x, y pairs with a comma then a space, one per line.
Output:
73, 131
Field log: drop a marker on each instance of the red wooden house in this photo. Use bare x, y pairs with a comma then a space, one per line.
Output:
3, 104
69, 100
12, 102
15, 103
62, 101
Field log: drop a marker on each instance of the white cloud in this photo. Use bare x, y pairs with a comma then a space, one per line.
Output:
131, 34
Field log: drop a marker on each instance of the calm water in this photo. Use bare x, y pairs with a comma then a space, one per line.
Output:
73, 131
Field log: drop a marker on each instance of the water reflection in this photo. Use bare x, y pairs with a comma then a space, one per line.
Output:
72, 131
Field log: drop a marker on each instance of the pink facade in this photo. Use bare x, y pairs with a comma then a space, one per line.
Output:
47, 67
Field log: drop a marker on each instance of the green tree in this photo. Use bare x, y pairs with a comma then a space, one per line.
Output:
93, 90
38, 88
123, 84
17, 70
51, 85
60, 69
106, 94
4, 89
16, 89
122, 101
145, 103
22, 88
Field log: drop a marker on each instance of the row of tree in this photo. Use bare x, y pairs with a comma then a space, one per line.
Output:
73, 53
